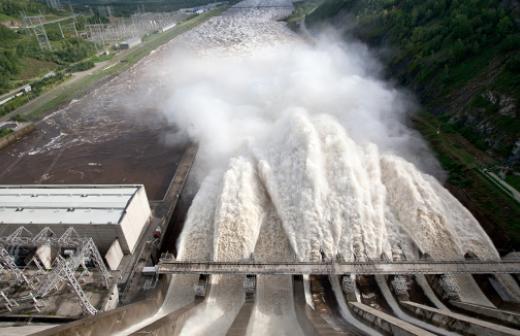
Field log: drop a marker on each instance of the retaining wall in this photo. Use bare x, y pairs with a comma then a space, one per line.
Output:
16, 135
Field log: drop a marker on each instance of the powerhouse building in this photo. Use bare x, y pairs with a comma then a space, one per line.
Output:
114, 216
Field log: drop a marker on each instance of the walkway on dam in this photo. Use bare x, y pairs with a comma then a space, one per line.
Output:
167, 266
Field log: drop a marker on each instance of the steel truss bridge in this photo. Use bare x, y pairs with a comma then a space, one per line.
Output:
169, 266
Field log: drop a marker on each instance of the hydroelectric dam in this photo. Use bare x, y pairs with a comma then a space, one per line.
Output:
281, 193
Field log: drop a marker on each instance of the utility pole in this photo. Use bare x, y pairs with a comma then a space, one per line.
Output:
101, 33
61, 31
54, 4
92, 30
74, 27
73, 20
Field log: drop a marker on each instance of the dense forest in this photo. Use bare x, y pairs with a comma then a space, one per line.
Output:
13, 8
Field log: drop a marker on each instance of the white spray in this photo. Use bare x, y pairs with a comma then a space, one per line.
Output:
303, 155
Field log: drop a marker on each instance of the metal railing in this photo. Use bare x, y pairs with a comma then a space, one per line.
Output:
168, 266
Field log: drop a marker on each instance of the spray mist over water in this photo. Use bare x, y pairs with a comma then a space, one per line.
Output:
304, 155
311, 131
226, 101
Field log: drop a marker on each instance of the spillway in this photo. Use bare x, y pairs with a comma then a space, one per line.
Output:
285, 173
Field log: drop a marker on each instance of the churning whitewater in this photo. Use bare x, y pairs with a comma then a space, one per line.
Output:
308, 137
304, 156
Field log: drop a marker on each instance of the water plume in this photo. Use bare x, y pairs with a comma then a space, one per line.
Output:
304, 155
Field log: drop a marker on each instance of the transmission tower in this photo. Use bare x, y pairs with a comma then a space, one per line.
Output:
40, 282
36, 24
55, 4
73, 24
64, 269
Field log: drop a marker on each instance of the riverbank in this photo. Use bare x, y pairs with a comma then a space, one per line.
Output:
21, 130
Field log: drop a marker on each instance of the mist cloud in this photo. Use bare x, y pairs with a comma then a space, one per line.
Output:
225, 101
301, 147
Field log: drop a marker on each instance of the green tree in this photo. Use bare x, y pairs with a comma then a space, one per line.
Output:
505, 26
8, 67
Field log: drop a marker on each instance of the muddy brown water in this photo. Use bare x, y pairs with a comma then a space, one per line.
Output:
108, 146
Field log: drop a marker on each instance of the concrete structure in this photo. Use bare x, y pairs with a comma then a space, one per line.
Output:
102, 324
385, 322
17, 131
130, 43
13, 125
45, 255
103, 212
509, 317
167, 266
309, 318
458, 322
168, 27
114, 255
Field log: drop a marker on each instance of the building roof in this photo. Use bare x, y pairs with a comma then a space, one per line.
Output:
64, 204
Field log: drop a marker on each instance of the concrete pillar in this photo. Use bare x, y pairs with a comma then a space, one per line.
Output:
44, 255
113, 299
114, 255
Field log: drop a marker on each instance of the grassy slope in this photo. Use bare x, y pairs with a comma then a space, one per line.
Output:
453, 86
21, 59
497, 212
35, 68
4, 17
